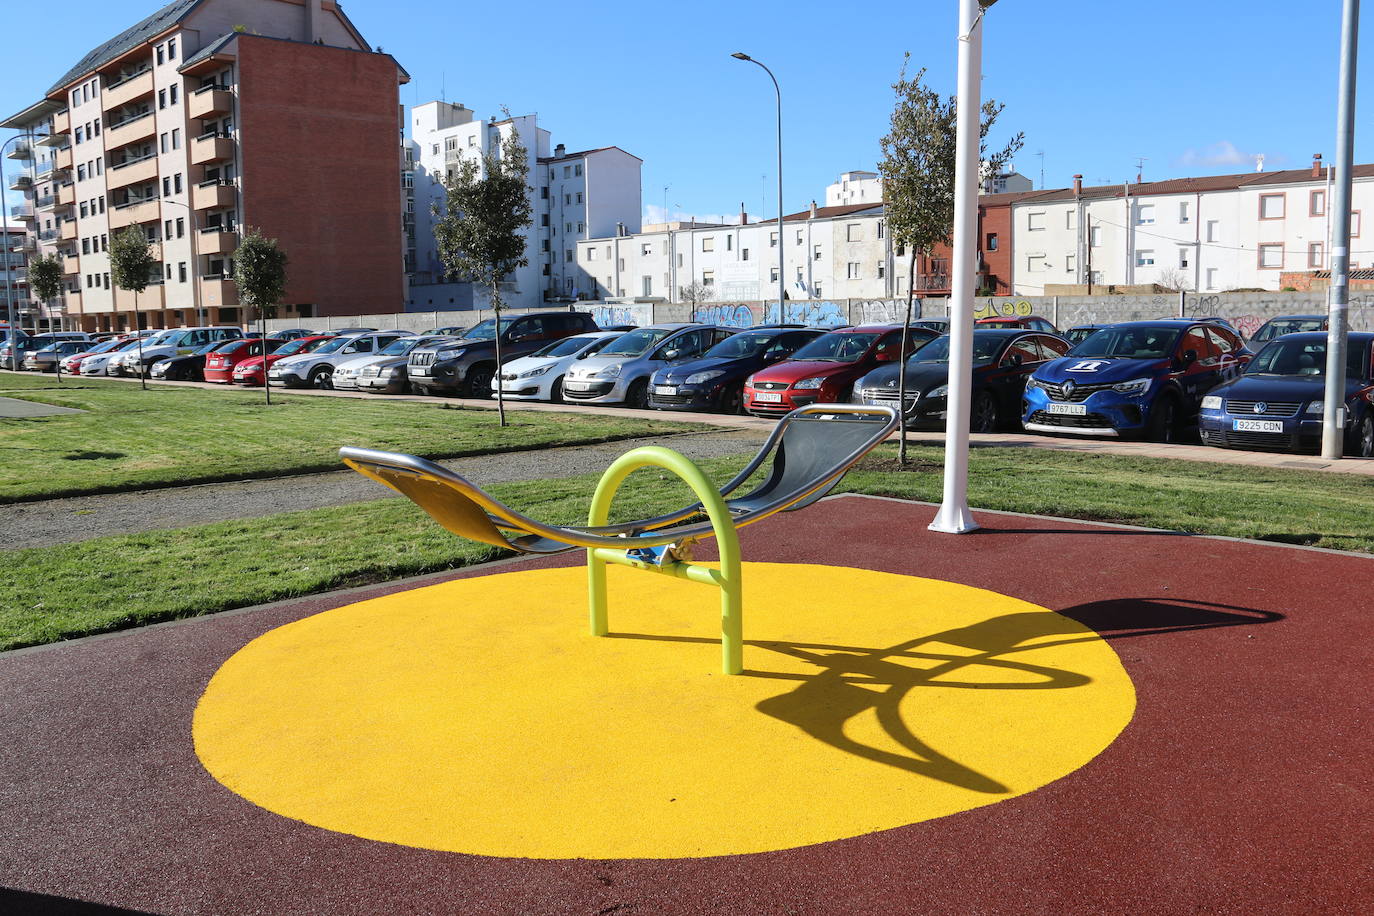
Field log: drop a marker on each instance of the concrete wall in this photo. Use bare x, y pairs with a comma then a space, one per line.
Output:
1247, 311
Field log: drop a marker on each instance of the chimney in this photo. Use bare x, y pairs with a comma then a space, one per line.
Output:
813, 211
1316, 165
314, 16
743, 217
1077, 185
559, 150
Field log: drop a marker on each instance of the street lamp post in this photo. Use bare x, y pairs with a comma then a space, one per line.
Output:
782, 281
195, 283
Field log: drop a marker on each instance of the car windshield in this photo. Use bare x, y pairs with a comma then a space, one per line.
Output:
837, 347
399, 347
1288, 357
985, 349
332, 344
1281, 326
1078, 335
1128, 343
742, 346
103, 347
201, 351
633, 343
131, 345
487, 329
565, 347
1000, 323
232, 346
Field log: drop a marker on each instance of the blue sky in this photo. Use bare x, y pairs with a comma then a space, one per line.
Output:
1193, 87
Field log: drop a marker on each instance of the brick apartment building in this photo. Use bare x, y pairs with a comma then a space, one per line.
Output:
207, 117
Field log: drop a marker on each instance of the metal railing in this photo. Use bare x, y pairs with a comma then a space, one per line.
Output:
130, 120
21, 211
210, 88
132, 202
215, 135
131, 160
120, 81
47, 200
47, 235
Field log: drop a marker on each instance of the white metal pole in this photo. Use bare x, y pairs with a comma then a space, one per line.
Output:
1333, 408
954, 516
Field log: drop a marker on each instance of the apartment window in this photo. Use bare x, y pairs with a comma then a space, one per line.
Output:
80, 134
1144, 258
450, 144
100, 166
591, 254
620, 264
1271, 256
773, 275
882, 270
86, 92
1314, 254
579, 197
1035, 221
544, 220
744, 254
163, 142
83, 209
171, 49
1070, 263
1095, 236
1183, 216
1271, 206
176, 138
577, 169
853, 232
567, 199
679, 260
159, 53
708, 277
544, 193
816, 253
102, 203
171, 98
708, 243
1069, 217
162, 98
544, 244
772, 240
1211, 278
729, 243
85, 246
799, 237
1145, 214
96, 122
166, 186
567, 254
76, 97
1213, 230
991, 242
646, 249
81, 172
567, 227
800, 274
882, 231
852, 271
567, 171
580, 227
1316, 203
1183, 257
472, 141
106, 280
167, 229
1035, 263
176, 183
104, 242
181, 225
167, 272
434, 149
1354, 224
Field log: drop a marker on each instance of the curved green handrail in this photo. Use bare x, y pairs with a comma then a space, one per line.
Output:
726, 577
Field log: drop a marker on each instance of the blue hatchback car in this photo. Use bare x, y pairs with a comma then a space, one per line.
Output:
1276, 405
715, 380
1138, 378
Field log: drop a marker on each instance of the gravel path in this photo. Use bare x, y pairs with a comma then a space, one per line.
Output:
59, 521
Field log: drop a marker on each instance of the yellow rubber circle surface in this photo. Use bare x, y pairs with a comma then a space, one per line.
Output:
480, 716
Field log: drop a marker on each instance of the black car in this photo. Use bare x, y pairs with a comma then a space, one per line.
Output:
1287, 324
1002, 361
715, 380
466, 365
188, 368
1081, 332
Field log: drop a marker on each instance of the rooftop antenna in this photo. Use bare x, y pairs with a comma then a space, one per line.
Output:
1140, 168
443, 87
1041, 154
1259, 162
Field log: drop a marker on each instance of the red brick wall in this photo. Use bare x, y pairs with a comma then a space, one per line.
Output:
998, 263
320, 155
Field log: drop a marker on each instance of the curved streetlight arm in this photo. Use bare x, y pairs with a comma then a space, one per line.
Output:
782, 280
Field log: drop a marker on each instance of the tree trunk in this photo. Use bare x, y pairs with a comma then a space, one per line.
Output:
496, 312
266, 382
901, 361
58, 363
138, 335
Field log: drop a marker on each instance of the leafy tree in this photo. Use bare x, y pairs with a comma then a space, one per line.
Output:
480, 230
918, 167
260, 275
45, 279
131, 264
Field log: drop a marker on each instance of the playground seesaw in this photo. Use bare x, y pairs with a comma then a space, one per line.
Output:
812, 447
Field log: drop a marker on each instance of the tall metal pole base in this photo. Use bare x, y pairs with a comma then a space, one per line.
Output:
952, 519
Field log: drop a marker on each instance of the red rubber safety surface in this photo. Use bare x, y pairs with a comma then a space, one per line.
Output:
1241, 786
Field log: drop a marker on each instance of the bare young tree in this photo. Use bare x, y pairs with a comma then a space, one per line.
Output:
696, 292
1175, 279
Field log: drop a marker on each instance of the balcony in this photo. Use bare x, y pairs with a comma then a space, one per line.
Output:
214, 194
71, 264
151, 298
62, 122
216, 240
130, 130
21, 211
217, 290
67, 231
127, 89
71, 300
21, 183
62, 160
214, 146
47, 235
66, 194
131, 171
210, 102
46, 202
21, 151
53, 139
135, 211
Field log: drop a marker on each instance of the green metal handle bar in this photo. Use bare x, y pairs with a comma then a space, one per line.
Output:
726, 578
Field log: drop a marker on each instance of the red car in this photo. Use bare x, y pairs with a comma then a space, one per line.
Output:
250, 371
1015, 322
824, 370
219, 365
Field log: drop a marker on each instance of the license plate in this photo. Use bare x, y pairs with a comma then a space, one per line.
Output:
419, 370
1072, 410
767, 397
578, 386
665, 389
1257, 426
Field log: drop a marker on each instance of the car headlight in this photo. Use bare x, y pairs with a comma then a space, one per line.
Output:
810, 383
1314, 407
939, 391
449, 354
611, 371
1034, 382
749, 381
538, 371
1211, 402
398, 371
1135, 387
701, 378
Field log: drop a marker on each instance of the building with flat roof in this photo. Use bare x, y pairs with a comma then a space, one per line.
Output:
192, 127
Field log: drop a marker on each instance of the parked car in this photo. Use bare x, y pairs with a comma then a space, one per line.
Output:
1002, 361
1029, 322
187, 368
250, 371
1276, 404
1081, 332
344, 332
539, 376
219, 363
316, 368
451, 331
72, 364
938, 325
467, 365
348, 372
99, 363
620, 373
1287, 324
23, 344
1134, 378
177, 342
46, 359
291, 334
716, 380
823, 370
387, 373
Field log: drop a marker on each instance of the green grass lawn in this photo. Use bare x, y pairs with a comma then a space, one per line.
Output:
53, 593
169, 436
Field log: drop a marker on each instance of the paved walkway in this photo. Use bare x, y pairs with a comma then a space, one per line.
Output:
1013, 440
16, 409
1241, 784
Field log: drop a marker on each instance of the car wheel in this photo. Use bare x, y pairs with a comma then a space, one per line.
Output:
321, 377
638, 395
983, 418
1362, 445
1163, 426
731, 400
556, 391
479, 381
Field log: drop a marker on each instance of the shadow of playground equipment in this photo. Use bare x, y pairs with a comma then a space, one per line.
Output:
19, 902
851, 680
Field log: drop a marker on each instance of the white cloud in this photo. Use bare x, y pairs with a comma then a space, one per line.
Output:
656, 214
1225, 154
